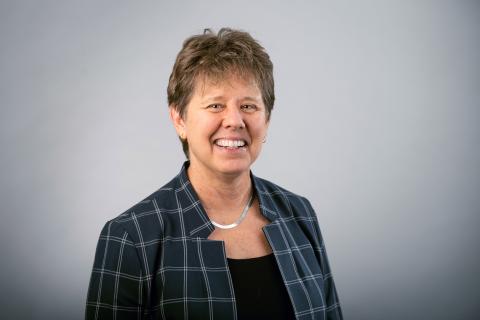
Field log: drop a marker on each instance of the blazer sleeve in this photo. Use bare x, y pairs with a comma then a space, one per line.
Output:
334, 312
117, 288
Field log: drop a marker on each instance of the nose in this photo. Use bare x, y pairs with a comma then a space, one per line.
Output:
233, 118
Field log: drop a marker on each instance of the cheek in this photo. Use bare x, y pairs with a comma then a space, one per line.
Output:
204, 126
260, 130
196, 129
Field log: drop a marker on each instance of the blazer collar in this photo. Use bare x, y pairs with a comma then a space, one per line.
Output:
196, 221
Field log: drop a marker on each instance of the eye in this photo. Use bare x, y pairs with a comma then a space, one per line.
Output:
249, 107
215, 107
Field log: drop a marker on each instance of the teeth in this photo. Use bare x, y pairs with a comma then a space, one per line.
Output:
230, 143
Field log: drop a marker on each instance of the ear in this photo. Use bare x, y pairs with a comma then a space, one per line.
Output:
178, 122
266, 131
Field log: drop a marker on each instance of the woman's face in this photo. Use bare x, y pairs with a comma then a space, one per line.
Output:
225, 125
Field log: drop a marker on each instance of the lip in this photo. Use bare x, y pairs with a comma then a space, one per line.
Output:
231, 150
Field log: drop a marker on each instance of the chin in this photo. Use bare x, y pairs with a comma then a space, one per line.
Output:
230, 167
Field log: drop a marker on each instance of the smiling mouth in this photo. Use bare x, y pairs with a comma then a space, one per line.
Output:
231, 144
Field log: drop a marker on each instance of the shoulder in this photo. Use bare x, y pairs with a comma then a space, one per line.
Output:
285, 202
144, 221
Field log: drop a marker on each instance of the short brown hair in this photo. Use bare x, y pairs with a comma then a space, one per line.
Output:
216, 56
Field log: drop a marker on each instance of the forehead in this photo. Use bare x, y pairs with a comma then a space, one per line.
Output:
206, 86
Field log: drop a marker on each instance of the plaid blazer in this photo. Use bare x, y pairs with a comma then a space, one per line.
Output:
154, 261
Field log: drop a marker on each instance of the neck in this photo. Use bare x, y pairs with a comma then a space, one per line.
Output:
219, 192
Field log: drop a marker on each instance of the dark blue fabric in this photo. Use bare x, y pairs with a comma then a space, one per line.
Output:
154, 261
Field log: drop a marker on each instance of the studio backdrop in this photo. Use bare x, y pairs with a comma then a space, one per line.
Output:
375, 121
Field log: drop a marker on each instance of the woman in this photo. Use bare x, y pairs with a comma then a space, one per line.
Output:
216, 242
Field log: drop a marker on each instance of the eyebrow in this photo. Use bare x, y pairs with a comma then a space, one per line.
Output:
207, 99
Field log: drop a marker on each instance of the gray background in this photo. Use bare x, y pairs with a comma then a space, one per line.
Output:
376, 122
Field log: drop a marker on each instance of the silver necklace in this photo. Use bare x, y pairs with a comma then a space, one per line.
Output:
239, 220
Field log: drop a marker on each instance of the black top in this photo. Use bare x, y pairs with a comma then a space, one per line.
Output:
259, 289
